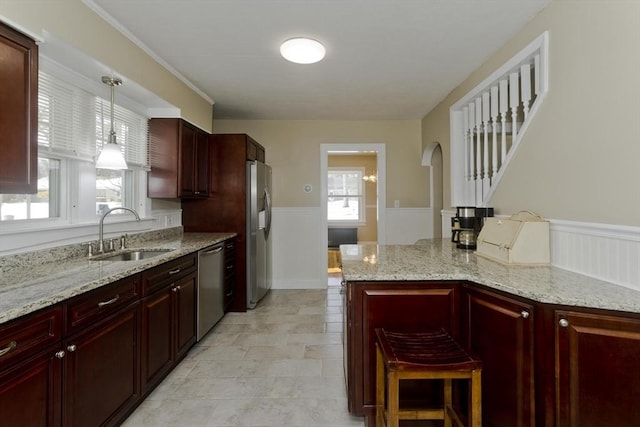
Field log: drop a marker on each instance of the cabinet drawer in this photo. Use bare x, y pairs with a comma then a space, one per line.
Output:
159, 276
21, 338
88, 308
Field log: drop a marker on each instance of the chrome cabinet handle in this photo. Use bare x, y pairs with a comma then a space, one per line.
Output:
525, 314
176, 271
8, 348
564, 323
111, 301
60, 354
176, 289
71, 348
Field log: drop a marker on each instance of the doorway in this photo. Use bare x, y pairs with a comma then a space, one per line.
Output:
350, 149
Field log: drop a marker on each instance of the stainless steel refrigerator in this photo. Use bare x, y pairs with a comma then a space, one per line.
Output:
258, 231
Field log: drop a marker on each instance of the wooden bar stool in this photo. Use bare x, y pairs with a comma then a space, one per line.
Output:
429, 356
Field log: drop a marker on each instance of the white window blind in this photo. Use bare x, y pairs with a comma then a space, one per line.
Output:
73, 122
65, 116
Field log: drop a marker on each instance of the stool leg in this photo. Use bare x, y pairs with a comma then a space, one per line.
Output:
380, 403
476, 399
393, 399
448, 402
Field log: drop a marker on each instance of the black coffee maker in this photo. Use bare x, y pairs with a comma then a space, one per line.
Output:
466, 225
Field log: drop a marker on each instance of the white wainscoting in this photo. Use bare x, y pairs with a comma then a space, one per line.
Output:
406, 225
603, 251
296, 253
606, 252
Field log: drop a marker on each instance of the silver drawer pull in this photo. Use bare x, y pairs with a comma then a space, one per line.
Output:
525, 314
176, 289
564, 323
176, 271
111, 301
8, 348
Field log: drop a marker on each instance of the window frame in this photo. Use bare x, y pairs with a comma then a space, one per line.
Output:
362, 219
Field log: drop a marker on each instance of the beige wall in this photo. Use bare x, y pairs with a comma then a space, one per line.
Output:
368, 232
79, 27
293, 150
579, 159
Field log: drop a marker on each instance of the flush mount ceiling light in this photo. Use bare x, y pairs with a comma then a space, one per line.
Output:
111, 156
302, 50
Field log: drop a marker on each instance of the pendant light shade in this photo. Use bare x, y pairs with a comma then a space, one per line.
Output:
111, 156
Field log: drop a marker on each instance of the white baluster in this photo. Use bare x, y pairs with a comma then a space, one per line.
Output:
504, 107
494, 123
478, 152
536, 74
486, 111
525, 87
513, 103
472, 155
465, 126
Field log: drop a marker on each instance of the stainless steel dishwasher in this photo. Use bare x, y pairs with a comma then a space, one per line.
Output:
210, 288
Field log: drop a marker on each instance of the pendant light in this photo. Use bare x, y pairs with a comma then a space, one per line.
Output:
111, 156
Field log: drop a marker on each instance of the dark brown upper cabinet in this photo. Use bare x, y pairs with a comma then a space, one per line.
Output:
179, 158
18, 112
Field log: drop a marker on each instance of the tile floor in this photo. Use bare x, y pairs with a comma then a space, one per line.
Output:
277, 365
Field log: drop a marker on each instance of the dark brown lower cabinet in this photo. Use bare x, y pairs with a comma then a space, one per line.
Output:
169, 327
30, 392
402, 306
101, 382
499, 329
597, 369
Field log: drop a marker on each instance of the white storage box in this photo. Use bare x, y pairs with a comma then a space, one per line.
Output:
521, 239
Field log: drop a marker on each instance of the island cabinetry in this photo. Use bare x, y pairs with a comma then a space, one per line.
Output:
179, 159
18, 112
399, 306
500, 330
31, 370
597, 375
168, 317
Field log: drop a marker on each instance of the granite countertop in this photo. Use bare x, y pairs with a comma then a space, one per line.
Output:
33, 281
439, 259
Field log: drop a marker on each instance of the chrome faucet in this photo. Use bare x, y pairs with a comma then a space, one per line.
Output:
101, 229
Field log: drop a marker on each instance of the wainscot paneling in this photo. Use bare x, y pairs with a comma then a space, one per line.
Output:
296, 253
406, 225
603, 251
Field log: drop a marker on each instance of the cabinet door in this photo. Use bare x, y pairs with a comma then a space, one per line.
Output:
157, 351
101, 371
401, 307
202, 164
184, 294
18, 112
188, 162
597, 375
30, 392
500, 331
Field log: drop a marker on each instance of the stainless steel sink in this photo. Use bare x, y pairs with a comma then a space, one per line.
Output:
131, 255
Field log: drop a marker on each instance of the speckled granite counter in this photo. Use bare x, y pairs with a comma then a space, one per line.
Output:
33, 281
439, 259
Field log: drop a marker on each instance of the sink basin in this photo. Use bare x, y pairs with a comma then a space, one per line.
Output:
132, 255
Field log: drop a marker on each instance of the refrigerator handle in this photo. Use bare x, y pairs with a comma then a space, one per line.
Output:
267, 210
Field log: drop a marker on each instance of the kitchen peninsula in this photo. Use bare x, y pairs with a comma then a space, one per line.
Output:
558, 348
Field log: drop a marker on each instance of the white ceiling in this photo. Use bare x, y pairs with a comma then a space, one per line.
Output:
386, 59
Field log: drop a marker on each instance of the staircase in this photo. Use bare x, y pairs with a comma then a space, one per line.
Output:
488, 123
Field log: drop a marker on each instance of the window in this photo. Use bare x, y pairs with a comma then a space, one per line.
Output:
345, 201
72, 126
43, 204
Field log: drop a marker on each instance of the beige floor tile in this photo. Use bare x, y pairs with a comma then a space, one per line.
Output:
278, 365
